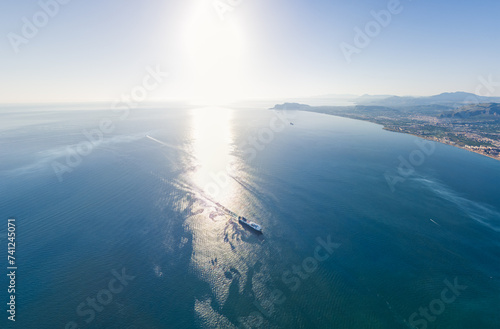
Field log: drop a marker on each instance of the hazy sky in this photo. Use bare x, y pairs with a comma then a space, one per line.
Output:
98, 50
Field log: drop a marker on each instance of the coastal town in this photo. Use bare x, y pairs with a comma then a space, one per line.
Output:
482, 137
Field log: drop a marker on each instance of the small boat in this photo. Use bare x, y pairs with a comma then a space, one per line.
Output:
252, 225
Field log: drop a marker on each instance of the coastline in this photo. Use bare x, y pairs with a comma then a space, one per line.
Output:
401, 132
443, 142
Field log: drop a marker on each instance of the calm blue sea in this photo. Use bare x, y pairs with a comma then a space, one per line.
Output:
118, 223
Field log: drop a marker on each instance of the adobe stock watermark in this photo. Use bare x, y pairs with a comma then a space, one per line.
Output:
251, 147
88, 308
222, 7
293, 280
31, 27
139, 93
363, 37
420, 319
406, 167
484, 83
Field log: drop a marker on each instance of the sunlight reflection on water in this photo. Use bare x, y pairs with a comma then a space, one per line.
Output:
221, 256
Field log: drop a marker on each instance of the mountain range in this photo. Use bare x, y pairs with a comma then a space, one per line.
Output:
455, 99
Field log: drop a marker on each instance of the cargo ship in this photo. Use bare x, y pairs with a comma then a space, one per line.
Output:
254, 226
250, 224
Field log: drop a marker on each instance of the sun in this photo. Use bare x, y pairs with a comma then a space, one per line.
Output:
214, 56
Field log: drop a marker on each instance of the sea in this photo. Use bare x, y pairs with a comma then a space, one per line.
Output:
126, 219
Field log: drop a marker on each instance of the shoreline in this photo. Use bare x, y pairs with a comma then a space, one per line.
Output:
400, 132
444, 143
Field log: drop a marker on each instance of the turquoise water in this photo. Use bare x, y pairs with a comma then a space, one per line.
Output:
340, 249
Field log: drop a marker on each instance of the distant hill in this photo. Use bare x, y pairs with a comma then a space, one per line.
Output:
358, 110
475, 110
445, 99
365, 99
292, 106
425, 104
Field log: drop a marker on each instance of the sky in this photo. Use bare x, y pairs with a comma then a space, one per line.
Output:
223, 50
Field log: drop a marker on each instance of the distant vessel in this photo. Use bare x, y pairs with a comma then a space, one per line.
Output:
252, 225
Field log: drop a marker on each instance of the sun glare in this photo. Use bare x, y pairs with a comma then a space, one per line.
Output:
212, 142
214, 56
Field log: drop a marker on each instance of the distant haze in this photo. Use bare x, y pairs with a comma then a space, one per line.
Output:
93, 51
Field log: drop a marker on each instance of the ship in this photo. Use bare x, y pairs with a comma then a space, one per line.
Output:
252, 225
